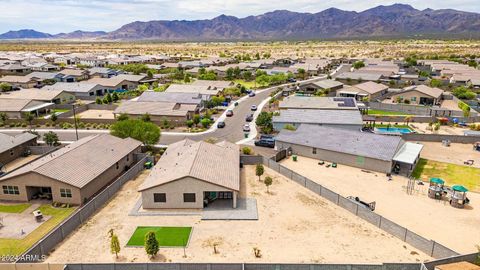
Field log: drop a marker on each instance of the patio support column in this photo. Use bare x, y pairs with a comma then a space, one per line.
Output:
235, 199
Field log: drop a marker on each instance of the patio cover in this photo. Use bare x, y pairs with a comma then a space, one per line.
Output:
408, 153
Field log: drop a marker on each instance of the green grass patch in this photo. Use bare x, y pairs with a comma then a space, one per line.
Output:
60, 110
247, 84
10, 246
166, 236
453, 174
380, 112
14, 208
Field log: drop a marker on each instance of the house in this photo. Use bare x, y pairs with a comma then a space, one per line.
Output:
120, 83
313, 87
192, 175
16, 108
19, 81
48, 96
354, 148
41, 76
81, 90
419, 95
206, 92
349, 77
317, 103
220, 85
102, 72
180, 98
366, 90
74, 173
345, 119
176, 113
73, 75
13, 147
14, 69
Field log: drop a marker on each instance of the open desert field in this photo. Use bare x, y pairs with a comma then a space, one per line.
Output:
455, 228
294, 225
456, 153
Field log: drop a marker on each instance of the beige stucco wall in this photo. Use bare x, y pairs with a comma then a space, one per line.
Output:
409, 95
174, 193
65, 98
18, 151
340, 158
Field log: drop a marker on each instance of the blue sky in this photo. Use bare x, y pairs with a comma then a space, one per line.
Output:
54, 16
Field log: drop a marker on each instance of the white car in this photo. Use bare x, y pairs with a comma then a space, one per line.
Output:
246, 128
253, 108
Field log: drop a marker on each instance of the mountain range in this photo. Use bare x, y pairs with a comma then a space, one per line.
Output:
396, 20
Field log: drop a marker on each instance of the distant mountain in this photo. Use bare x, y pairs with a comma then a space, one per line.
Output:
396, 20
24, 34
80, 35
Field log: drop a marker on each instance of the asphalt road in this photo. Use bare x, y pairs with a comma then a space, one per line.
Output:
232, 132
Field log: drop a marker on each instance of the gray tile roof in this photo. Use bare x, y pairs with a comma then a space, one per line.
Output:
217, 164
309, 116
327, 84
155, 108
182, 98
81, 87
81, 162
381, 147
359, 75
8, 142
32, 94
303, 102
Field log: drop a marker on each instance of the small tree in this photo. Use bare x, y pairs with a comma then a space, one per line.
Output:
247, 150
54, 117
115, 97
151, 244
29, 117
98, 100
259, 170
51, 138
268, 182
196, 119
408, 119
122, 117
145, 118
114, 245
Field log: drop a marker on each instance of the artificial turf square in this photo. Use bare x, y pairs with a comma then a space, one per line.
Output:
166, 236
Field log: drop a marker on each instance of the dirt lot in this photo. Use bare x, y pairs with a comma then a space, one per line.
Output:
96, 114
423, 128
294, 225
457, 153
19, 162
456, 228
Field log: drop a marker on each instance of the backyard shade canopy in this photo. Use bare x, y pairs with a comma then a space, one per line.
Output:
437, 181
459, 188
408, 153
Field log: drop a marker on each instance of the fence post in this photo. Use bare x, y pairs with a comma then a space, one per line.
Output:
433, 248
356, 210
380, 221
338, 198
405, 237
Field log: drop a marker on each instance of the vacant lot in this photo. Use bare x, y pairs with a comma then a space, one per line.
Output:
453, 174
96, 114
166, 236
456, 228
456, 153
294, 225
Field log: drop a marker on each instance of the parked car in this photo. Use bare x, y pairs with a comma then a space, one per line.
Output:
229, 113
221, 124
251, 94
246, 128
267, 141
249, 118
253, 108
292, 80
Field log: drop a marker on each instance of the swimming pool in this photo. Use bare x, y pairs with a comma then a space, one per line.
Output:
393, 130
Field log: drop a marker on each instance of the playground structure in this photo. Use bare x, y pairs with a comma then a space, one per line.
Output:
435, 190
458, 196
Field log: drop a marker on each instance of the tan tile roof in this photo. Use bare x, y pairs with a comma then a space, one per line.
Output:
188, 88
430, 91
155, 108
16, 79
217, 164
371, 87
32, 94
13, 105
80, 162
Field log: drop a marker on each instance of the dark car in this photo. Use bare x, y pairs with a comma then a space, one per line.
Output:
292, 80
251, 94
221, 124
229, 113
249, 118
265, 142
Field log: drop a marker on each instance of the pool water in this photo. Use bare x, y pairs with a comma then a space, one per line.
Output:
393, 130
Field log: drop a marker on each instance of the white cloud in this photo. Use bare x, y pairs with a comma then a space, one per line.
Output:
55, 16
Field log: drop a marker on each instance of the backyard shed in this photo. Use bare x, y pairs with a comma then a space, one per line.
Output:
192, 175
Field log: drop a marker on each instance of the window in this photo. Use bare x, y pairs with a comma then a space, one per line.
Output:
314, 151
11, 152
116, 165
188, 197
11, 190
159, 197
128, 157
65, 193
414, 98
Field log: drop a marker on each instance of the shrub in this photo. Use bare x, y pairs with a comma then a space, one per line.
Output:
247, 150
289, 127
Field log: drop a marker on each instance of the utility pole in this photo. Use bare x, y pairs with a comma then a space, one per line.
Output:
75, 121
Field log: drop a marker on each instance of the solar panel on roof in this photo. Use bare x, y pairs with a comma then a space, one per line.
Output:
345, 102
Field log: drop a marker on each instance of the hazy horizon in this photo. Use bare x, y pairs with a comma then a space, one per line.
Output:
56, 16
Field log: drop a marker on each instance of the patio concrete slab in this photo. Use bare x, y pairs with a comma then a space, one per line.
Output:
222, 210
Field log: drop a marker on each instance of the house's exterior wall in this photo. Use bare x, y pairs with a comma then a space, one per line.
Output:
280, 125
16, 152
174, 194
337, 157
33, 179
65, 97
413, 96
13, 115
